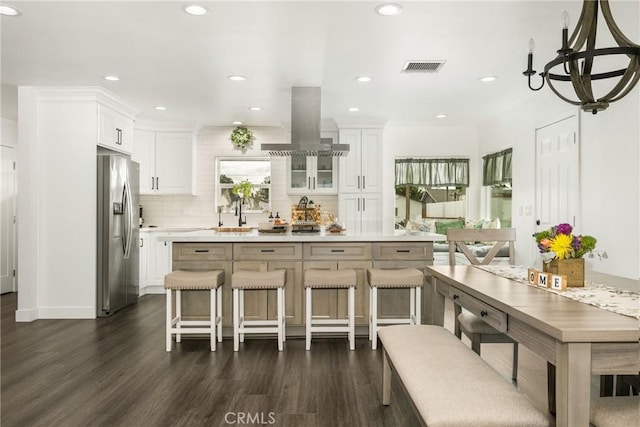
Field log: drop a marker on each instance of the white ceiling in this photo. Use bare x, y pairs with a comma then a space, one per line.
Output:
166, 57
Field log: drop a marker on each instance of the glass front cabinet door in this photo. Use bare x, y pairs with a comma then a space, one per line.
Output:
312, 175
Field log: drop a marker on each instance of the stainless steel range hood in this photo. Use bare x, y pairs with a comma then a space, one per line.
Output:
305, 128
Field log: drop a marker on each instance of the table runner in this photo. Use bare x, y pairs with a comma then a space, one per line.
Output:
606, 297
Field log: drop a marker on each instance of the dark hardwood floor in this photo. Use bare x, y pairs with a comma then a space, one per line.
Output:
115, 372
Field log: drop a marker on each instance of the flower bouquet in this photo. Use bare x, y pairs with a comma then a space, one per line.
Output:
562, 252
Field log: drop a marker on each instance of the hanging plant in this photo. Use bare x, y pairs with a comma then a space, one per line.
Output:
241, 138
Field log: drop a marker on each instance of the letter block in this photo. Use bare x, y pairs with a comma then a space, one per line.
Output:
558, 282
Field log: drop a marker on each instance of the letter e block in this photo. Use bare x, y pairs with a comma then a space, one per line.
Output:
558, 282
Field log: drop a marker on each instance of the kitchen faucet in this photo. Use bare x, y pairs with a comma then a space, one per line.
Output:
239, 203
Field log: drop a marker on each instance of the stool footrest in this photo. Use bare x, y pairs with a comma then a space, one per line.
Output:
329, 321
262, 330
190, 331
330, 329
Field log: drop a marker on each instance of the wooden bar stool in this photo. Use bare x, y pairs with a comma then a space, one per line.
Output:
330, 279
410, 278
182, 280
245, 280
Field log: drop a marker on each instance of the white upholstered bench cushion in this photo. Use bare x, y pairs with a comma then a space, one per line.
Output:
615, 411
191, 279
450, 385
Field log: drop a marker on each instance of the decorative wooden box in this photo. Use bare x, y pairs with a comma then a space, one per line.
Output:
573, 268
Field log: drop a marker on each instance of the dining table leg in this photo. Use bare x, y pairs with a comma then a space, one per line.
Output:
573, 384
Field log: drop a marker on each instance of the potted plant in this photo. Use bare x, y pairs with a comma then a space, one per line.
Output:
562, 252
243, 189
241, 138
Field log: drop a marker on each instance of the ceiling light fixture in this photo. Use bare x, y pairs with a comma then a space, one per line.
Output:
112, 78
237, 78
195, 9
488, 79
255, 108
441, 116
7, 10
388, 9
353, 109
576, 64
237, 122
364, 79
161, 108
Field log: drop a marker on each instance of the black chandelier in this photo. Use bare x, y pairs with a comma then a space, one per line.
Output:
575, 64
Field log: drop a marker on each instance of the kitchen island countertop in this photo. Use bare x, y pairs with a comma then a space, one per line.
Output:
208, 235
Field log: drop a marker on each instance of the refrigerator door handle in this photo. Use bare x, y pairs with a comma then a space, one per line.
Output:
128, 223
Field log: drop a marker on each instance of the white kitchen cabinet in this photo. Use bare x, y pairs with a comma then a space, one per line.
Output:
155, 262
360, 212
360, 169
144, 261
166, 161
114, 130
307, 175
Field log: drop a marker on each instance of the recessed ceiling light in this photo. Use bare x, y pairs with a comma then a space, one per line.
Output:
112, 78
161, 108
9, 10
388, 9
364, 79
441, 116
255, 108
195, 9
237, 78
353, 109
487, 79
237, 122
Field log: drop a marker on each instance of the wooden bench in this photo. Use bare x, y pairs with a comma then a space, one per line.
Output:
448, 384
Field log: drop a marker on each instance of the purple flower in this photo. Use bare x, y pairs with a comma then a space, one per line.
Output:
564, 229
576, 244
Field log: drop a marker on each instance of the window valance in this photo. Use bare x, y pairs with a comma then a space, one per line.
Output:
433, 172
496, 168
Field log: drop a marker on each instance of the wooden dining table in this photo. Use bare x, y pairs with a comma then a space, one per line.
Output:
578, 338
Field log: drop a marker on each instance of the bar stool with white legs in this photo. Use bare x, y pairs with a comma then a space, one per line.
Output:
330, 279
182, 280
410, 278
245, 280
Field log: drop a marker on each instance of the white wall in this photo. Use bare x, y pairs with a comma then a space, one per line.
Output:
200, 210
9, 130
423, 141
610, 181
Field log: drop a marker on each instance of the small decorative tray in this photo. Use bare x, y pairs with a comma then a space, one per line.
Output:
272, 230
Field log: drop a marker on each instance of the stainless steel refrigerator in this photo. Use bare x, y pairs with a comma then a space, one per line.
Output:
118, 261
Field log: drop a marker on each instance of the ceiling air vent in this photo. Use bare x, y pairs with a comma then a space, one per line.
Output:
429, 66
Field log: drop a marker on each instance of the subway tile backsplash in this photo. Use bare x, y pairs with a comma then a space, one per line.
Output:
200, 210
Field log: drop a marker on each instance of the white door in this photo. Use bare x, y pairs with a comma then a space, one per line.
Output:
7, 217
557, 174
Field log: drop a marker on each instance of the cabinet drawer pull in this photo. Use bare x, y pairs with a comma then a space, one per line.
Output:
483, 313
337, 250
198, 251
403, 250
456, 296
267, 250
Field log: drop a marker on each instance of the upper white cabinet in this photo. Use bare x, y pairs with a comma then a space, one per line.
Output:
360, 169
166, 160
313, 174
115, 129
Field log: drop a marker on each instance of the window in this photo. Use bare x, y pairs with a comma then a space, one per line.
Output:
231, 171
496, 177
430, 188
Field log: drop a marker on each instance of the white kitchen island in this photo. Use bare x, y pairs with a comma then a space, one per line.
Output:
295, 252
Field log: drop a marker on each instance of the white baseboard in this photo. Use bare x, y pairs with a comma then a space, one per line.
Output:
152, 290
55, 313
27, 315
